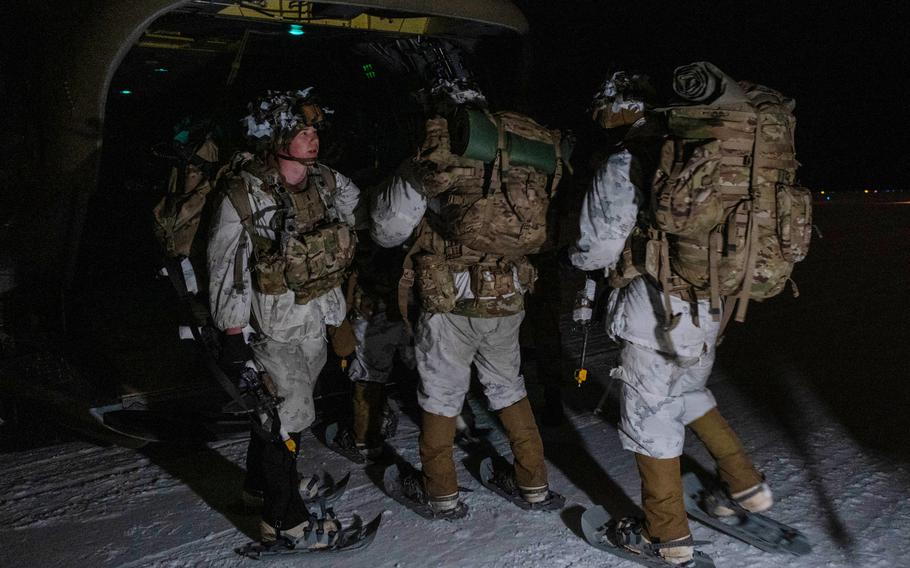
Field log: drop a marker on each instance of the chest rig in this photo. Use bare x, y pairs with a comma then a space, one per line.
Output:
311, 246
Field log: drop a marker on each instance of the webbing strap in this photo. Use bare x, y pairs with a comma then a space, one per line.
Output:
324, 180
715, 249
670, 319
239, 198
409, 276
751, 259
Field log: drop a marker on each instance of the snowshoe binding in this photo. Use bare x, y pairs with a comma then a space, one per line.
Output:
341, 441
623, 538
501, 481
756, 529
323, 535
405, 485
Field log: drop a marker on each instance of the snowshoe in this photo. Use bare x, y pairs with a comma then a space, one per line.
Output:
753, 528
341, 441
502, 482
354, 537
623, 539
406, 487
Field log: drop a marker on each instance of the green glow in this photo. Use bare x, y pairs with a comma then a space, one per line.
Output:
125, 92
296, 30
161, 69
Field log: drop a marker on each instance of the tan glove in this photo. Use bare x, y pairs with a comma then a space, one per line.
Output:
342, 338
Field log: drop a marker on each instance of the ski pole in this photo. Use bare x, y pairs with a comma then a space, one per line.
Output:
583, 313
581, 374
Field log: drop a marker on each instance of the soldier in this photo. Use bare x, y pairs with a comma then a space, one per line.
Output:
475, 219
667, 351
279, 246
380, 334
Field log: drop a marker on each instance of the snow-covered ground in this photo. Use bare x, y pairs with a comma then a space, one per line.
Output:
815, 387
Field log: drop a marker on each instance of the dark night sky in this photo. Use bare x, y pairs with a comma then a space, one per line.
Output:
845, 66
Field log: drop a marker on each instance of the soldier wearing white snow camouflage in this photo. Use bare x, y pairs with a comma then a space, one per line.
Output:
471, 299
280, 243
663, 369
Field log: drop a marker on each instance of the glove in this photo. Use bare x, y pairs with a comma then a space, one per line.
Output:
564, 259
584, 303
234, 354
342, 338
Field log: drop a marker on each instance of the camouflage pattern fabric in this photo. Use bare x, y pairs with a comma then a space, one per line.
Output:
278, 316
315, 262
293, 369
177, 218
509, 216
725, 189
609, 213
661, 394
447, 344
636, 313
378, 340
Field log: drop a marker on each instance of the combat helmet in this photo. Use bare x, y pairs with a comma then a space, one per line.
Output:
277, 116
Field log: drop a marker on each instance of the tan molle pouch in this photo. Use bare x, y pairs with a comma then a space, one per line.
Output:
492, 280
177, 218
494, 225
316, 260
269, 271
685, 197
527, 274
794, 221
772, 270
435, 283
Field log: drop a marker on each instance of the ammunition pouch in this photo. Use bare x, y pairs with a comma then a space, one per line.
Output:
315, 262
435, 284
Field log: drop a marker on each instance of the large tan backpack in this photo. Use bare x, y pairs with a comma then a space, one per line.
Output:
498, 206
728, 218
178, 214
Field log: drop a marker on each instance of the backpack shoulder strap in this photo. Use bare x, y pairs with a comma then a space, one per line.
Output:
326, 186
238, 195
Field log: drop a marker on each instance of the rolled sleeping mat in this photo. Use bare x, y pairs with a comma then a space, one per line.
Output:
474, 135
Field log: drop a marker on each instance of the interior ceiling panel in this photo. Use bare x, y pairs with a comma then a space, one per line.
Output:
484, 17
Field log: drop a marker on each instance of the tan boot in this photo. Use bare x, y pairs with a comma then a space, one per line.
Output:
743, 482
662, 499
368, 401
733, 464
437, 436
527, 448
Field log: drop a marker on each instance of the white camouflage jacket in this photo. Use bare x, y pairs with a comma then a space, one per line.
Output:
275, 316
635, 313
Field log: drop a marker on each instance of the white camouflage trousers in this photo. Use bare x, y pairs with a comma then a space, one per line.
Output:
447, 344
378, 339
293, 368
661, 394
